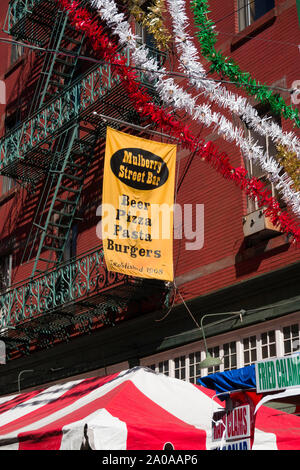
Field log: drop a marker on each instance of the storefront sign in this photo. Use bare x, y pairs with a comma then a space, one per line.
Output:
218, 425
238, 423
243, 444
231, 425
138, 206
278, 374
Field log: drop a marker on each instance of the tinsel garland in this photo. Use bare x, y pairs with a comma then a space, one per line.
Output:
215, 92
174, 96
289, 161
227, 67
142, 102
191, 65
152, 20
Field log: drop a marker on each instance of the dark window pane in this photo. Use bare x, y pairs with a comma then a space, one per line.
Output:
273, 350
233, 361
287, 347
262, 7
272, 336
264, 352
286, 332
295, 330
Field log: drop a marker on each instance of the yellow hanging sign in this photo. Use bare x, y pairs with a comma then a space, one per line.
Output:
137, 206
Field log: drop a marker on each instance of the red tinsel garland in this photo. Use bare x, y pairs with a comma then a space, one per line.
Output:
141, 101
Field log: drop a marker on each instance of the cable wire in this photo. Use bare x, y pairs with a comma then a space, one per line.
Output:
143, 69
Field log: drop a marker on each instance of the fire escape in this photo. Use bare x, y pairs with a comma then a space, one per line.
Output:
55, 147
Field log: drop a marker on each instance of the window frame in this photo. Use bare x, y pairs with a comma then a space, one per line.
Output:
219, 341
246, 13
253, 168
16, 53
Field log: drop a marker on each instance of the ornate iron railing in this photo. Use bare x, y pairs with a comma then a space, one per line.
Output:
77, 280
58, 114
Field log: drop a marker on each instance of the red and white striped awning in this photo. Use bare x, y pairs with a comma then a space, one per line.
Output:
136, 409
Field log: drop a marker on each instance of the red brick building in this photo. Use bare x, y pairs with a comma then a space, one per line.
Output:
63, 314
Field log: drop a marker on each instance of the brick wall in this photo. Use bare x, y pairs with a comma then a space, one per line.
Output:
225, 259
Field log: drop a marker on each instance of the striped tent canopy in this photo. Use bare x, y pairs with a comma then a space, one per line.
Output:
136, 409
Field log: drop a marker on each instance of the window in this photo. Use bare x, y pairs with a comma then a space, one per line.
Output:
250, 350
16, 52
5, 272
230, 356
195, 371
254, 169
71, 244
163, 367
280, 337
7, 184
11, 121
268, 344
291, 339
214, 352
144, 37
179, 367
251, 10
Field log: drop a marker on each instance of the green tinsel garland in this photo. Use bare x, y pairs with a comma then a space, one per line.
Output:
227, 67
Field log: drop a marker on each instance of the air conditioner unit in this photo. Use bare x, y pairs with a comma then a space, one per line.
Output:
257, 223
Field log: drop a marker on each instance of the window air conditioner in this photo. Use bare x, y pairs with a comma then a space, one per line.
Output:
256, 223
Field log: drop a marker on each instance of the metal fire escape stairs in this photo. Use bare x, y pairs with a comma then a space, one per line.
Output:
70, 156
57, 208
59, 64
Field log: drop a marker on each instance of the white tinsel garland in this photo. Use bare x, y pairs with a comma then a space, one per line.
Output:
173, 95
191, 65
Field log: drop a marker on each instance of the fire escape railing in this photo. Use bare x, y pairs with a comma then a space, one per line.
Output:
69, 282
56, 115
17, 10
27, 149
